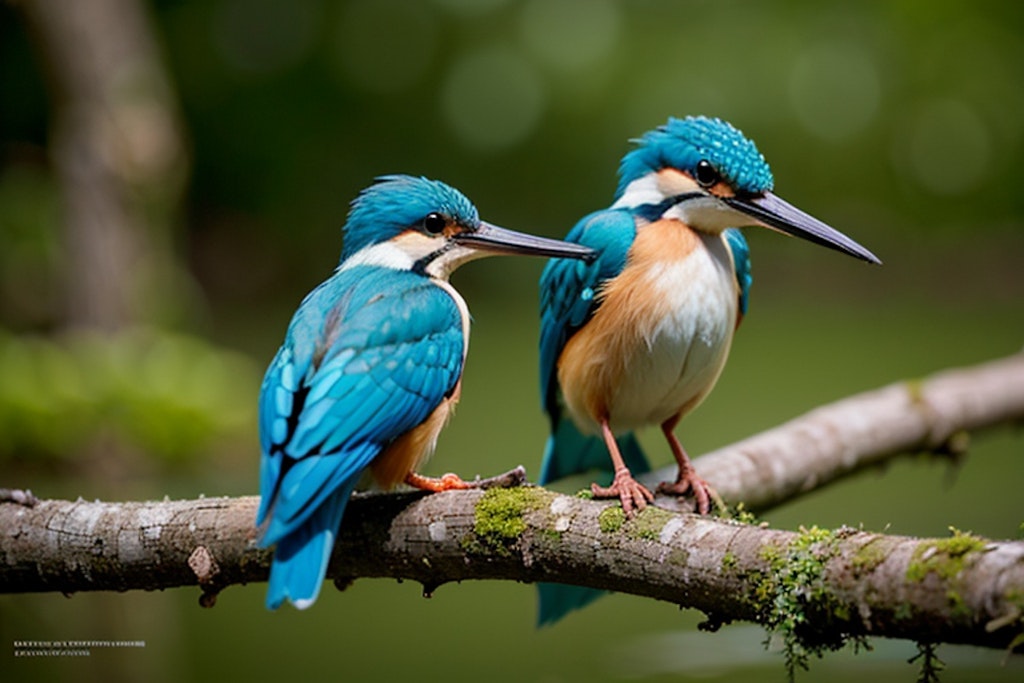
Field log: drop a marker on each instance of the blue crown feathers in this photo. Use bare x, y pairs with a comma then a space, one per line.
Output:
388, 207
682, 143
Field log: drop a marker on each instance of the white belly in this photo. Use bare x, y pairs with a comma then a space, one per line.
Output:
686, 350
673, 352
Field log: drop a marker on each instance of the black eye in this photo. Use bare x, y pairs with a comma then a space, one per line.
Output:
434, 223
705, 174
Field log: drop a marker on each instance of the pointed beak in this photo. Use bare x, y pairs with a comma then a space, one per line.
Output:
491, 238
773, 212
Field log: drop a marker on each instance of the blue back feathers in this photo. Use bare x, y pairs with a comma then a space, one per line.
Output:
387, 208
569, 289
741, 261
682, 143
368, 356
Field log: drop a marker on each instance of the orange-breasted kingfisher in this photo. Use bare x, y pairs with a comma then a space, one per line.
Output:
370, 369
640, 335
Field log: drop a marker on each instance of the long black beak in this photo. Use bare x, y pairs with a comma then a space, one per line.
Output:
773, 212
497, 240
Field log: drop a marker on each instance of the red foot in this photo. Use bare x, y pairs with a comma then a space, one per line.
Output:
447, 482
634, 495
689, 481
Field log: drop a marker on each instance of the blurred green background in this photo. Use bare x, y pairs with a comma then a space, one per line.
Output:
900, 123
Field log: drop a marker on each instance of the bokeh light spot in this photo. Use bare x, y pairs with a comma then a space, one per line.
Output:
492, 98
835, 90
570, 34
385, 45
950, 147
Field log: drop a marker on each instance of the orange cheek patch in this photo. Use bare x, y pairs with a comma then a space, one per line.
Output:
722, 189
672, 181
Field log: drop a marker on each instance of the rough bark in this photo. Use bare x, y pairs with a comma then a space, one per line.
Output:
933, 414
849, 583
845, 583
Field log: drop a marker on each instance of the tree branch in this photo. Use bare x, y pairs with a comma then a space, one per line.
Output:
933, 414
962, 590
818, 586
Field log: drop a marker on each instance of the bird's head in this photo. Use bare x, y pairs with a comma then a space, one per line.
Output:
426, 225
707, 174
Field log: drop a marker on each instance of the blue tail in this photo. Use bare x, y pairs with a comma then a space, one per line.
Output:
570, 452
555, 600
301, 557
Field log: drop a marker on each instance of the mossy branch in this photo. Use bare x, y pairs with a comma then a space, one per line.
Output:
816, 587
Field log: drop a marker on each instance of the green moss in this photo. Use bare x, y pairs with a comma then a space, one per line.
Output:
1012, 618
945, 558
869, 556
902, 612
551, 535
915, 391
729, 561
770, 554
585, 494
958, 608
611, 519
679, 557
648, 523
742, 515
499, 517
794, 600
645, 525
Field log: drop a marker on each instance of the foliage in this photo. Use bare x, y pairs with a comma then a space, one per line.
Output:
796, 604
169, 395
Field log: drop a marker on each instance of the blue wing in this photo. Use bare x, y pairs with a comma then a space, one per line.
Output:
569, 289
737, 244
569, 297
368, 356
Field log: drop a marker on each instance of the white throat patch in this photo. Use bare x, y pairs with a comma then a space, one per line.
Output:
403, 252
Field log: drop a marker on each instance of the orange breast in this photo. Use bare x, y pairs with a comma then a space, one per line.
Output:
593, 361
409, 451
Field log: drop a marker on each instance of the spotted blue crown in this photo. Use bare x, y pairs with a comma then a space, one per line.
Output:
682, 143
392, 204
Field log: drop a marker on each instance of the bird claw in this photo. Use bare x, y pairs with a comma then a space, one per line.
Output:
449, 482
689, 481
446, 482
633, 495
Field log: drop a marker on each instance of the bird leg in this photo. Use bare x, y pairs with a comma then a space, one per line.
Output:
687, 480
634, 495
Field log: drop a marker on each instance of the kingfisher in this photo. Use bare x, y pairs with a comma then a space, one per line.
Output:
639, 335
370, 369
